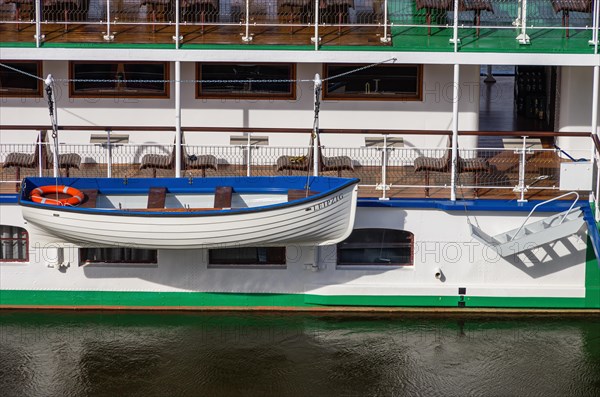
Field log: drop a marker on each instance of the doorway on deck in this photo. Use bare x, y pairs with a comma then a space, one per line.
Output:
517, 98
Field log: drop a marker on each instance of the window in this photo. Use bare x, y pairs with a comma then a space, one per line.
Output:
379, 247
383, 82
257, 256
238, 80
13, 244
119, 78
15, 84
116, 255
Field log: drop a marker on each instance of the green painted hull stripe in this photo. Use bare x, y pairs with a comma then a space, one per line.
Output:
206, 299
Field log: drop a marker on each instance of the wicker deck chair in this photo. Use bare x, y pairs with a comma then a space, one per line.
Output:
444, 164
304, 162
567, 6
199, 161
159, 161
448, 5
32, 160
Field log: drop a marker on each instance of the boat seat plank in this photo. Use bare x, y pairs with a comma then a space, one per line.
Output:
223, 195
91, 196
157, 197
297, 194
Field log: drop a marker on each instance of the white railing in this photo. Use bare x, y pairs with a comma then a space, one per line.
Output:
385, 168
194, 20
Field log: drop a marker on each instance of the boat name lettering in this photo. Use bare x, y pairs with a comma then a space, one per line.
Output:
327, 202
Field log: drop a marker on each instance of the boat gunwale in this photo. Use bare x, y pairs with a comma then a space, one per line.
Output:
170, 214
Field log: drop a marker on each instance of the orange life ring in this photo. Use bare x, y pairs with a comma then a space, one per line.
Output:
37, 195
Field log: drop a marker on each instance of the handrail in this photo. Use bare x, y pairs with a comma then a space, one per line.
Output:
365, 131
545, 202
568, 155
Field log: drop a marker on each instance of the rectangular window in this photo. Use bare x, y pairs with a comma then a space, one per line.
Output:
15, 84
382, 82
248, 256
236, 80
116, 255
13, 244
376, 247
119, 79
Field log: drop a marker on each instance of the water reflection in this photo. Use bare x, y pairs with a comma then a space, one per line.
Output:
232, 354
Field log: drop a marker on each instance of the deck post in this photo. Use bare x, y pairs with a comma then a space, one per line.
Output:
384, 185
595, 25
455, 97
594, 130
315, 132
523, 37
177, 36
247, 38
316, 38
39, 37
248, 153
521, 187
455, 40
177, 119
40, 149
108, 36
108, 154
385, 38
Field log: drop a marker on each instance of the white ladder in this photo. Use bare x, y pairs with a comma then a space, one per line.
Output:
534, 234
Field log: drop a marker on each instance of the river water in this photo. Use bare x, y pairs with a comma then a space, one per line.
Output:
56, 353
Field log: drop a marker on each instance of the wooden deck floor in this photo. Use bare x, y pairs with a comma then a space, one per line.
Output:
195, 34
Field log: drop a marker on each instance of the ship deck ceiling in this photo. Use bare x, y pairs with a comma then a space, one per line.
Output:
345, 38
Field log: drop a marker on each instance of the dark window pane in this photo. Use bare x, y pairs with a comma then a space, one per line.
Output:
121, 79
117, 255
13, 83
402, 82
245, 80
13, 244
376, 247
247, 256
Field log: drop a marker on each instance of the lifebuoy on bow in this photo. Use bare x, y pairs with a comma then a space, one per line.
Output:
37, 195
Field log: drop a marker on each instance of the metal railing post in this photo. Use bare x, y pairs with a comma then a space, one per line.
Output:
247, 38
39, 149
178, 151
523, 38
455, 98
521, 186
595, 25
594, 131
249, 154
455, 40
108, 36
39, 37
384, 185
108, 155
177, 36
385, 38
316, 38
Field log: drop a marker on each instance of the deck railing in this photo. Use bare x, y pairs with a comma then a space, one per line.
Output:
308, 22
384, 171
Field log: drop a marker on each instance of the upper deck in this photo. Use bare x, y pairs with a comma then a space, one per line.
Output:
417, 26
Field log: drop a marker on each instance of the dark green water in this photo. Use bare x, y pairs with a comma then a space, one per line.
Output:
53, 353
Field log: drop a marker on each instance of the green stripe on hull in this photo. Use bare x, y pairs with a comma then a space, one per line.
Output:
174, 300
